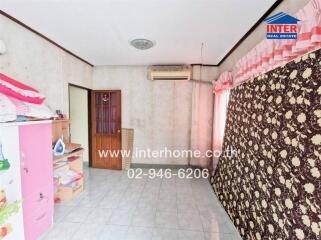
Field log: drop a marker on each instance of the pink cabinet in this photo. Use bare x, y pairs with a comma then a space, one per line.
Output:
27, 147
36, 178
10, 181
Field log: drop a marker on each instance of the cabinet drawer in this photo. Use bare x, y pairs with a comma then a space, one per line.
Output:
39, 200
37, 223
38, 213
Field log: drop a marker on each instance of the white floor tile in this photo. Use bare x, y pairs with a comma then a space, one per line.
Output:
61, 231
147, 204
77, 215
221, 236
165, 234
113, 232
190, 221
99, 215
139, 233
167, 205
121, 217
191, 235
61, 211
166, 219
113, 207
187, 206
144, 218
91, 200
87, 231
110, 200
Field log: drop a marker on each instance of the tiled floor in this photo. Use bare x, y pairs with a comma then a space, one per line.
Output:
116, 207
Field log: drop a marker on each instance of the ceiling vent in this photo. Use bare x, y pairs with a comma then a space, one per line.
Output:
170, 72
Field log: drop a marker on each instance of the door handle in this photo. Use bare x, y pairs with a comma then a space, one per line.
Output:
118, 130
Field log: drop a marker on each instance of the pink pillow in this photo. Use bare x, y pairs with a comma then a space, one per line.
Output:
13, 88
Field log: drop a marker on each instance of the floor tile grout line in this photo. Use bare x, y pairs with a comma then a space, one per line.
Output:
160, 187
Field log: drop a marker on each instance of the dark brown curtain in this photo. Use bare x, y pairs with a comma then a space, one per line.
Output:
272, 188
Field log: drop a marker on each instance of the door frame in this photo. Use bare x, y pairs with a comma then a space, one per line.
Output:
89, 116
90, 112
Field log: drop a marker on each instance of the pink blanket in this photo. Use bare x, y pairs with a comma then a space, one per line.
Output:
11, 107
18, 90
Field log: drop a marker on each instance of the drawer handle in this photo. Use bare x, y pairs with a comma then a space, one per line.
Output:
41, 197
41, 217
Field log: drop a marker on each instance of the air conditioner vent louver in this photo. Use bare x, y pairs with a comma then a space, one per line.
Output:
170, 72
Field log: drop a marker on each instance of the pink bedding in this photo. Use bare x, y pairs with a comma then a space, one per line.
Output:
11, 107
7, 109
31, 110
13, 88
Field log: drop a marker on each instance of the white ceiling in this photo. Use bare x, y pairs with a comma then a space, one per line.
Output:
99, 31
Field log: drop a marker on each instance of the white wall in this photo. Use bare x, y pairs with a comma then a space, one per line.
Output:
35, 61
159, 111
79, 118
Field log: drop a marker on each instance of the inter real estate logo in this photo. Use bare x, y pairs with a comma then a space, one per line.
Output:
282, 26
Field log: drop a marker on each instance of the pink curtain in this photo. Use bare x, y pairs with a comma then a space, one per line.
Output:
270, 54
220, 111
221, 90
225, 81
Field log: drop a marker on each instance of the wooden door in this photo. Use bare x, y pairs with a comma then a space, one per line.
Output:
106, 129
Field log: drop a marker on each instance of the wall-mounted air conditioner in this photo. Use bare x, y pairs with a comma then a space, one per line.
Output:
170, 72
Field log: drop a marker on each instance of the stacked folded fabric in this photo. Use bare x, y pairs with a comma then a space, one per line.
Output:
19, 102
67, 177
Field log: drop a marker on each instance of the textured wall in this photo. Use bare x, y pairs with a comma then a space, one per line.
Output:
35, 61
159, 111
271, 189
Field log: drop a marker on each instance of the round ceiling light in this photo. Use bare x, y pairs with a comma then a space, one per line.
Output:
142, 44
